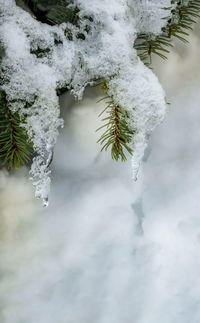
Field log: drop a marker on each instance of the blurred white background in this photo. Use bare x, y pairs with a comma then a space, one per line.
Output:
108, 249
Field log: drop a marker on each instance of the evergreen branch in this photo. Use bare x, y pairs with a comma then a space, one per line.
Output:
63, 12
52, 12
179, 21
117, 133
15, 148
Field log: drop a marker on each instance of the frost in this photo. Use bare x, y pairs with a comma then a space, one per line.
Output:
107, 52
149, 15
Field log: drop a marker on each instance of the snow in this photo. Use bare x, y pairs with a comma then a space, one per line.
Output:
107, 249
106, 53
147, 13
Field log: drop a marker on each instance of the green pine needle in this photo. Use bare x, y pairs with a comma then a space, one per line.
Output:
15, 148
62, 12
179, 21
117, 133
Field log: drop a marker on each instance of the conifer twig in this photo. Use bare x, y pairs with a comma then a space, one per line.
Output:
15, 148
117, 133
180, 19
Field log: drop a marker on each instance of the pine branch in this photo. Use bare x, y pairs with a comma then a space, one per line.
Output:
52, 12
15, 149
179, 22
117, 133
63, 12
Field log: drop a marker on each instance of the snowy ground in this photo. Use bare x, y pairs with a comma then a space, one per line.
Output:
107, 249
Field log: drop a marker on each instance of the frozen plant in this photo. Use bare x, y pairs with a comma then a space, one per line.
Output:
69, 45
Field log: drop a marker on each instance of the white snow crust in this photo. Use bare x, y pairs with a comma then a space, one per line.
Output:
107, 52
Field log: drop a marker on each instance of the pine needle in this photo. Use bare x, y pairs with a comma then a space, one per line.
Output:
179, 20
117, 134
15, 148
